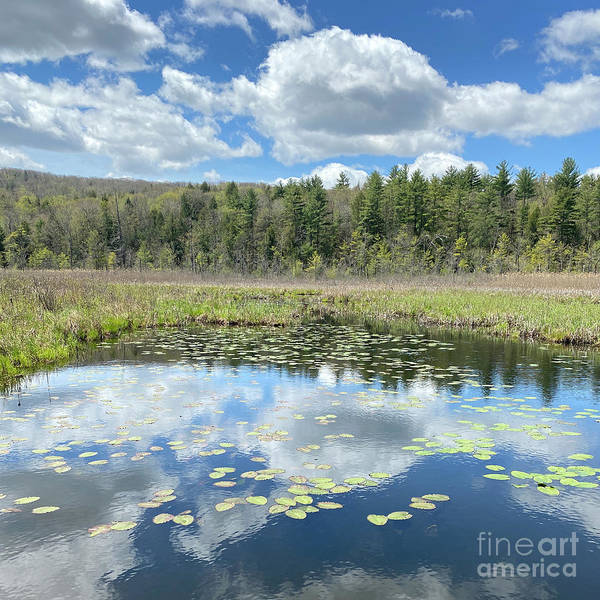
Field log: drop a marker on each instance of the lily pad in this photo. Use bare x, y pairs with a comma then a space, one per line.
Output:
499, 476
422, 505
580, 456
258, 500
223, 506
379, 475
98, 529
436, 497
277, 509
295, 513
400, 515
329, 505
183, 519
377, 519
303, 499
27, 500
162, 518
42, 510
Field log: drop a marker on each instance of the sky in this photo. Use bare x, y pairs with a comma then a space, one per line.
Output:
264, 90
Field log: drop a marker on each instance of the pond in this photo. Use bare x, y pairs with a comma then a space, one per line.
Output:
322, 461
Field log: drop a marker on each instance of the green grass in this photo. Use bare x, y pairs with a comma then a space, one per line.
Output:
46, 318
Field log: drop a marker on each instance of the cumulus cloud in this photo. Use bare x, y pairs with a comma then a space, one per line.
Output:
376, 95
138, 132
594, 171
211, 176
506, 45
329, 174
436, 163
373, 95
11, 157
111, 34
507, 110
279, 15
457, 13
573, 38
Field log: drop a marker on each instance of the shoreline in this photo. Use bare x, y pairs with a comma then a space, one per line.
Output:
49, 316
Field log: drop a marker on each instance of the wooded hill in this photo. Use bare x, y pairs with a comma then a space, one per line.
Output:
399, 223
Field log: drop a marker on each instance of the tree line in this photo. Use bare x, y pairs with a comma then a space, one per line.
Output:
402, 222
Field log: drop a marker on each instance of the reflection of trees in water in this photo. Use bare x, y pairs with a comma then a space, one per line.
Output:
394, 356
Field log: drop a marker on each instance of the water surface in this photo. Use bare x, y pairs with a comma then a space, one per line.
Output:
411, 412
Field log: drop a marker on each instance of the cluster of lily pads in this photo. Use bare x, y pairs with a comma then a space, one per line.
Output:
305, 493
424, 502
546, 482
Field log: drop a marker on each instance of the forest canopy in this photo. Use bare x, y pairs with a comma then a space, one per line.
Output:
402, 222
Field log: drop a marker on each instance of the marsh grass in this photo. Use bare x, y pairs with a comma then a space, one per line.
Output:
46, 317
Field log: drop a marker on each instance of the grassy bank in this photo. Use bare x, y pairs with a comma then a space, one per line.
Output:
46, 317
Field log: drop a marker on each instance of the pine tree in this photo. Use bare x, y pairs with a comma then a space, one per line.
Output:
563, 211
370, 217
343, 181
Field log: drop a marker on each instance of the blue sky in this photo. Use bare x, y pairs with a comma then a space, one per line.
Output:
256, 90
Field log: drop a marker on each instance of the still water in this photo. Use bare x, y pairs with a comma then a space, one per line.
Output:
128, 474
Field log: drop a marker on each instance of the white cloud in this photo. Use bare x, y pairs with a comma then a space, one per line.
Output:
594, 171
112, 35
211, 176
140, 133
505, 109
329, 174
436, 163
457, 13
506, 45
572, 38
373, 95
279, 15
11, 157
376, 95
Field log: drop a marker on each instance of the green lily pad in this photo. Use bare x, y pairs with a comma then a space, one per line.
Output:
284, 501
277, 508
399, 515
422, 505
495, 468
300, 490
329, 505
98, 529
162, 518
310, 509
42, 510
298, 479
340, 489
258, 500
378, 475
183, 519
499, 476
296, 513
521, 474
580, 456
303, 499
354, 480
436, 497
377, 519
223, 506
27, 500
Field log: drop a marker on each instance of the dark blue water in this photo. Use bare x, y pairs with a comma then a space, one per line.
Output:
154, 408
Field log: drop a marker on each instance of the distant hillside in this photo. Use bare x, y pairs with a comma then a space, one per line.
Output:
45, 184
